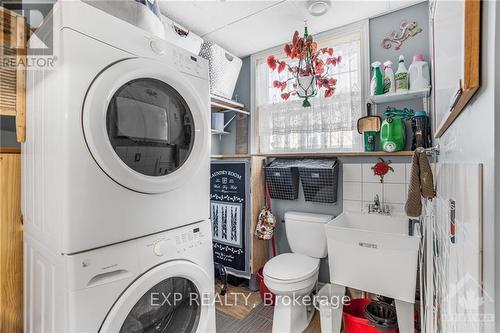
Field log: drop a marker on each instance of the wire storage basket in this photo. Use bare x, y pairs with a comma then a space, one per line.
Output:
282, 178
319, 179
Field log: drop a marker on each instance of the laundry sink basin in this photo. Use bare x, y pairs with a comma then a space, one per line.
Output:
374, 253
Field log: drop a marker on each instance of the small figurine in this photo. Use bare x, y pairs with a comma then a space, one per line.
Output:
382, 168
408, 29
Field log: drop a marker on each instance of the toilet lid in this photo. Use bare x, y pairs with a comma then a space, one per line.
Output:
291, 266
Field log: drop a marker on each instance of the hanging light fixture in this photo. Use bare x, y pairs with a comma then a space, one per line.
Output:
309, 68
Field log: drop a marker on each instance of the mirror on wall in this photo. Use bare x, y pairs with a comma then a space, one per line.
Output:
456, 58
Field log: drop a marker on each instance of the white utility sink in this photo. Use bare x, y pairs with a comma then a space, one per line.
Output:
374, 253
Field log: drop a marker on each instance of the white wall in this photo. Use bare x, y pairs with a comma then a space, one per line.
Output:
472, 137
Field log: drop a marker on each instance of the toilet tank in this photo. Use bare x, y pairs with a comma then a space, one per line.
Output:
306, 233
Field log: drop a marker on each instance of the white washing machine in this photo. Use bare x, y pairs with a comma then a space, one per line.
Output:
118, 134
157, 283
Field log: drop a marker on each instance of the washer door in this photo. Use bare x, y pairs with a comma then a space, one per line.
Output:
145, 125
173, 297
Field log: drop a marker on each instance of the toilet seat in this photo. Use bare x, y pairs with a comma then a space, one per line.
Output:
291, 267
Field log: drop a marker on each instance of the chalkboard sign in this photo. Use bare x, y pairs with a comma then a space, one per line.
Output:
228, 211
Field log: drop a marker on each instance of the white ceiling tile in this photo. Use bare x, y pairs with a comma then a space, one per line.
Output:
247, 27
203, 17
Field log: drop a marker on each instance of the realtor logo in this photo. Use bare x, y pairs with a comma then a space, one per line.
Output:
35, 12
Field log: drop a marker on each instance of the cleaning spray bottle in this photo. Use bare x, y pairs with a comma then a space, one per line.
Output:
401, 76
389, 84
377, 83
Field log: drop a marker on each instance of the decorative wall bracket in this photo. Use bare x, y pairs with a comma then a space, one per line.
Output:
407, 30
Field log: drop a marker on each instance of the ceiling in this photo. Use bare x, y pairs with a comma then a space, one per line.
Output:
247, 27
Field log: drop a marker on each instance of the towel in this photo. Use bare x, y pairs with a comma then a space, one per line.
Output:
421, 184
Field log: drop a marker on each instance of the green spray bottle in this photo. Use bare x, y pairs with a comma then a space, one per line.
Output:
377, 83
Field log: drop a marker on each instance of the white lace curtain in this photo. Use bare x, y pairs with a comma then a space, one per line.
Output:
330, 124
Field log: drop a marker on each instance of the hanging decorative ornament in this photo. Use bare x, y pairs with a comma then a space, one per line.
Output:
407, 30
382, 168
309, 69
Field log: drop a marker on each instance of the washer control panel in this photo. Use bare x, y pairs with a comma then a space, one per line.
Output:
177, 242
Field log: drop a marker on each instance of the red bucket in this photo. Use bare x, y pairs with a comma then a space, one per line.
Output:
354, 317
267, 297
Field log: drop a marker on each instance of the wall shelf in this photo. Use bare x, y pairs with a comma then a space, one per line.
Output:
226, 102
405, 153
395, 97
217, 132
229, 156
220, 104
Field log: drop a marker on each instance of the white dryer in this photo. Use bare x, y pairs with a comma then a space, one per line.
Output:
118, 134
158, 283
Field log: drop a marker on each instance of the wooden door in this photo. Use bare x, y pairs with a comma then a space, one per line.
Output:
13, 39
11, 244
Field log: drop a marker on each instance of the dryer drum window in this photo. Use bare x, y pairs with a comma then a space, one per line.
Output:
150, 127
173, 305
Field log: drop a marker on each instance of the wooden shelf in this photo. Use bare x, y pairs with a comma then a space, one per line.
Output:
395, 97
338, 154
228, 156
217, 132
319, 154
220, 104
227, 102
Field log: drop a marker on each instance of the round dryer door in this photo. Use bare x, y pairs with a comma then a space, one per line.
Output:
172, 297
145, 125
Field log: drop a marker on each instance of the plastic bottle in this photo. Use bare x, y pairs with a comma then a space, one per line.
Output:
392, 134
421, 130
418, 73
389, 84
401, 76
377, 83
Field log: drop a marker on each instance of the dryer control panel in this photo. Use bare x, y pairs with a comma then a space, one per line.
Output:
181, 59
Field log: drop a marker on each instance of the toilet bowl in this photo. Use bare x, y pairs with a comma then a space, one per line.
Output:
292, 277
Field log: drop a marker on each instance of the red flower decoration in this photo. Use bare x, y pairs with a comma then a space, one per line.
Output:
311, 62
381, 169
271, 62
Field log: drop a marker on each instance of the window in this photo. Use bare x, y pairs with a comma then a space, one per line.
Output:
330, 123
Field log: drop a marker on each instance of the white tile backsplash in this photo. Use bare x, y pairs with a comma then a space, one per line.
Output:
398, 176
368, 176
394, 193
352, 206
361, 185
352, 172
352, 190
370, 190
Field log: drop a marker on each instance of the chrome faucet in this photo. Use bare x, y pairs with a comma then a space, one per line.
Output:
376, 207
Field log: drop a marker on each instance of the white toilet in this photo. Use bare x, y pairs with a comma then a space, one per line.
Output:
292, 276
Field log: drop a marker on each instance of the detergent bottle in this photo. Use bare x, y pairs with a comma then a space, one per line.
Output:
377, 83
418, 73
389, 83
392, 134
401, 76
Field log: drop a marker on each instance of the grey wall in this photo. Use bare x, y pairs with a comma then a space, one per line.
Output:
226, 144
383, 25
474, 138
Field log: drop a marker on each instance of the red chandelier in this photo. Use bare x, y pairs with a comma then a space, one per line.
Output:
309, 69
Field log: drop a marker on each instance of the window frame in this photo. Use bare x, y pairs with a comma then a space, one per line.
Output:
359, 26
